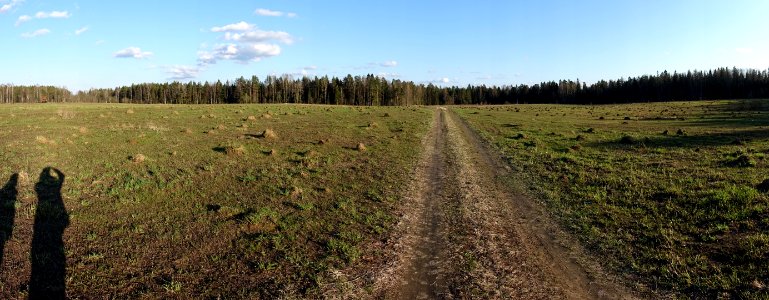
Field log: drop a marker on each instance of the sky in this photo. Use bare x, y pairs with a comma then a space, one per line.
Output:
94, 44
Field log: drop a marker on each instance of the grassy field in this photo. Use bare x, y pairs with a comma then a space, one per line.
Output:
669, 192
237, 201
262, 201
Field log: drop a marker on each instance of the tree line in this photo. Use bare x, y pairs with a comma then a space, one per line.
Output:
721, 83
10, 93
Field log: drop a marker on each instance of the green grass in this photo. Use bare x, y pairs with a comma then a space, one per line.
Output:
664, 191
210, 211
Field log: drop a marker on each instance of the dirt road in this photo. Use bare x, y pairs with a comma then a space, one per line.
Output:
466, 233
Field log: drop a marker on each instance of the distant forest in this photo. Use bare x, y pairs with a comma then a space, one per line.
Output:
722, 83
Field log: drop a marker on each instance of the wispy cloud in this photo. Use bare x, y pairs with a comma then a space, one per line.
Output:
240, 26
182, 72
81, 30
8, 6
22, 19
389, 64
388, 75
35, 33
132, 52
442, 80
306, 72
257, 35
273, 13
246, 43
53, 14
372, 65
43, 15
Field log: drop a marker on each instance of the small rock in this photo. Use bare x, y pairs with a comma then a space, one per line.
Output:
360, 147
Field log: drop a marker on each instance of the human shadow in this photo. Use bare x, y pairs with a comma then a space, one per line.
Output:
7, 211
47, 254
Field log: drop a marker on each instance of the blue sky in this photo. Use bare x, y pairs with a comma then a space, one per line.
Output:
86, 44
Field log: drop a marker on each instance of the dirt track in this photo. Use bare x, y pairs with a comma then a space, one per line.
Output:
466, 234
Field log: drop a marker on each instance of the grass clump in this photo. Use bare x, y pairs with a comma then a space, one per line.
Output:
628, 140
268, 134
138, 158
742, 161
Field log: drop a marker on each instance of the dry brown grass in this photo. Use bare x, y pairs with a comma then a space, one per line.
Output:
296, 192
269, 134
235, 150
130, 111
65, 114
138, 158
23, 179
43, 140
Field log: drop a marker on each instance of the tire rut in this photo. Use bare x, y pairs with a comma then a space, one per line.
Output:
465, 235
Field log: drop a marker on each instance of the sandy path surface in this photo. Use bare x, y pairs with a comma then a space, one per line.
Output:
465, 233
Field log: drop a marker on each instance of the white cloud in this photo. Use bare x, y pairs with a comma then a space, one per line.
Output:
36, 33
81, 30
744, 50
443, 80
388, 75
372, 65
311, 68
53, 15
132, 52
182, 72
273, 13
257, 35
304, 72
22, 19
240, 26
246, 44
43, 15
206, 58
247, 52
8, 6
389, 64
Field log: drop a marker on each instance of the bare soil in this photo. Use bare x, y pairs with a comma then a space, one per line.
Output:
467, 231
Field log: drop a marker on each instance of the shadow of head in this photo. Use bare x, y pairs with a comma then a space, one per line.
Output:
50, 178
9, 189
